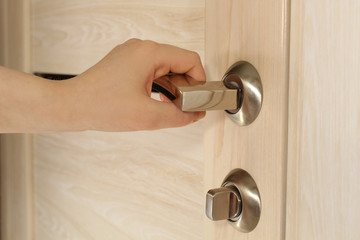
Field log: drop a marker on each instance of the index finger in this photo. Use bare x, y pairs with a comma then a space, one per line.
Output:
177, 60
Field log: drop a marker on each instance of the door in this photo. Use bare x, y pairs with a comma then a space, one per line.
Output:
94, 185
255, 31
302, 150
324, 121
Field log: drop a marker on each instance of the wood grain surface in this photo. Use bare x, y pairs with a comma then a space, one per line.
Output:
303, 150
17, 212
15, 149
15, 36
145, 185
323, 190
93, 185
70, 36
255, 31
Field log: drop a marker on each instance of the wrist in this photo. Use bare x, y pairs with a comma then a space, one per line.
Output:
31, 104
63, 111
49, 107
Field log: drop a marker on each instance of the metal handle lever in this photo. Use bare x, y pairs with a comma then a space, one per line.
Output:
239, 93
191, 95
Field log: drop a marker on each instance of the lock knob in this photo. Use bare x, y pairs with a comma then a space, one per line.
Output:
237, 200
223, 203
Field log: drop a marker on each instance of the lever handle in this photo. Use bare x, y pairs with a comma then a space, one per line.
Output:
239, 93
191, 95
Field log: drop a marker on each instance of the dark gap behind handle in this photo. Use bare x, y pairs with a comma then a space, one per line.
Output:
58, 77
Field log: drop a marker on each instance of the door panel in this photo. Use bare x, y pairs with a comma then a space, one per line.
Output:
324, 121
303, 150
70, 36
93, 185
119, 185
255, 31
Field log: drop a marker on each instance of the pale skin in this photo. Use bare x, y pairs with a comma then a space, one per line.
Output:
113, 95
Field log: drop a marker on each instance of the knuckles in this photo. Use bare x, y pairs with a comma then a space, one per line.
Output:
142, 43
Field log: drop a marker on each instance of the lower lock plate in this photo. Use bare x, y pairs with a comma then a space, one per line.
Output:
250, 199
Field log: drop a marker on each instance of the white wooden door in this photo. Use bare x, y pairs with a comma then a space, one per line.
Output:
323, 190
137, 185
303, 150
255, 31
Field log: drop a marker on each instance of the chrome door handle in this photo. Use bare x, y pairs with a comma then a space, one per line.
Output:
191, 95
239, 93
237, 200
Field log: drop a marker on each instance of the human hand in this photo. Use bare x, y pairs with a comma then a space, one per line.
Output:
114, 94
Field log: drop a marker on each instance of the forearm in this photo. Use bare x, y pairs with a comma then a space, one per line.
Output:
31, 104
107, 97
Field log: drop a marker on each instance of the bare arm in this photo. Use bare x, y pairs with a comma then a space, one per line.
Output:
113, 95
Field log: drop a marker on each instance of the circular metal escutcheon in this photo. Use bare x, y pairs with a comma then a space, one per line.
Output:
250, 199
243, 76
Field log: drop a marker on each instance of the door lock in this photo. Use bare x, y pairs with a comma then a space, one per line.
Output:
239, 93
237, 200
223, 203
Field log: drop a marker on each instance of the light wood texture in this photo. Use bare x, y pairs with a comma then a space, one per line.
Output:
16, 187
139, 185
15, 34
256, 32
15, 155
70, 36
323, 190
145, 185
148, 185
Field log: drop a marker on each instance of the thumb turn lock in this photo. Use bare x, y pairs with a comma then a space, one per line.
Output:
239, 93
237, 200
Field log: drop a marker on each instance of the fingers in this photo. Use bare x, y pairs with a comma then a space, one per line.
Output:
173, 59
165, 115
